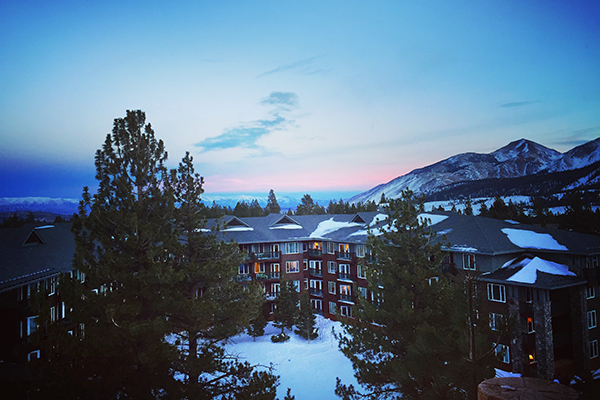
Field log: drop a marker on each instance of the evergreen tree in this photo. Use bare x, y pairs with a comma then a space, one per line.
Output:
468, 207
287, 305
309, 207
305, 322
144, 287
257, 325
272, 205
412, 340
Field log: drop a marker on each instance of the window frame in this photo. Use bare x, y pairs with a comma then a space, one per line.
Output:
331, 287
469, 262
501, 292
594, 348
292, 270
499, 348
592, 320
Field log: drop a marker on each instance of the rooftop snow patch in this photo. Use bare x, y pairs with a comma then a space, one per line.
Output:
530, 267
238, 229
328, 226
532, 240
433, 218
286, 226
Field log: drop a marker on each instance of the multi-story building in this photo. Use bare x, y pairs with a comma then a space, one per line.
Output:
554, 306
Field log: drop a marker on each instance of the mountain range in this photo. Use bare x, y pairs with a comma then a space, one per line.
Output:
522, 165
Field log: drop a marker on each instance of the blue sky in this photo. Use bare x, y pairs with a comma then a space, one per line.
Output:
301, 96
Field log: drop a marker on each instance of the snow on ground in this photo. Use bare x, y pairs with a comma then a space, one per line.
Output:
433, 218
308, 368
532, 240
528, 274
329, 226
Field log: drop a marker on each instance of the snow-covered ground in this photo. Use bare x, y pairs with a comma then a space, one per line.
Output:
309, 368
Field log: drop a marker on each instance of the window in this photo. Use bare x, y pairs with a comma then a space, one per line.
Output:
332, 307
315, 267
433, 279
530, 325
531, 356
305, 264
594, 349
345, 272
33, 355
591, 317
529, 295
345, 289
330, 247
52, 285
275, 270
305, 283
30, 325
496, 292
344, 248
316, 304
331, 287
361, 272
296, 285
591, 292
502, 352
316, 286
362, 291
291, 248
259, 268
496, 321
52, 314
361, 249
244, 269
292, 267
469, 261
274, 289
317, 246
332, 267
346, 311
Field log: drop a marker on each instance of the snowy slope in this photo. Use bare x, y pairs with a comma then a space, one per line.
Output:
519, 158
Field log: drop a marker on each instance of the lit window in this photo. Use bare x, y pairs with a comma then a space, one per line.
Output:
345, 289
292, 267
317, 246
591, 317
531, 357
496, 292
259, 268
275, 270
344, 248
469, 261
594, 349
530, 325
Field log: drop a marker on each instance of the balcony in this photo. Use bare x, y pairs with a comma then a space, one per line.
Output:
346, 298
343, 255
243, 278
315, 272
344, 276
270, 255
261, 276
275, 275
315, 253
316, 292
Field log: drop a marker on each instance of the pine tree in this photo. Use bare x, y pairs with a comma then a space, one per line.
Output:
257, 325
272, 205
305, 322
411, 340
150, 276
287, 305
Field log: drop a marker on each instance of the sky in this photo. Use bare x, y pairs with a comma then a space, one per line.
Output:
297, 96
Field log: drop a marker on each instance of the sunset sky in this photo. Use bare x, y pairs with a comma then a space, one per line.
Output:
298, 96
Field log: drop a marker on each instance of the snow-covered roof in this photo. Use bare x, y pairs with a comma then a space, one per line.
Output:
530, 268
527, 239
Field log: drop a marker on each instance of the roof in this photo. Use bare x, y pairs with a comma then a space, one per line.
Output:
461, 233
34, 252
534, 272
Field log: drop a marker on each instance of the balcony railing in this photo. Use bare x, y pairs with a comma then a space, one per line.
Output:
343, 255
316, 292
243, 278
275, 275
261, 276
346, 297
345, 276
315, 253
270, 255
315, 272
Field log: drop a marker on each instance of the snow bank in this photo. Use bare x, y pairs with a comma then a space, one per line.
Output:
329, 226
504, 374
433, 218
528, 274
532, 240
308, 368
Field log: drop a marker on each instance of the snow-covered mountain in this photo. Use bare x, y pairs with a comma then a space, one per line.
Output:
517, 159
61, 206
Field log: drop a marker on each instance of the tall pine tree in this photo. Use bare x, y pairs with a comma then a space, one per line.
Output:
411, 338
272, 204
149, 278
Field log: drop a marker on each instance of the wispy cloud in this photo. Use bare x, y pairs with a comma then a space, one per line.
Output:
281, 98
579, 137
245, 135
286, 67
516, 104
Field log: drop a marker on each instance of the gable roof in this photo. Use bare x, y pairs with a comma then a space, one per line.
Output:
34, 252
